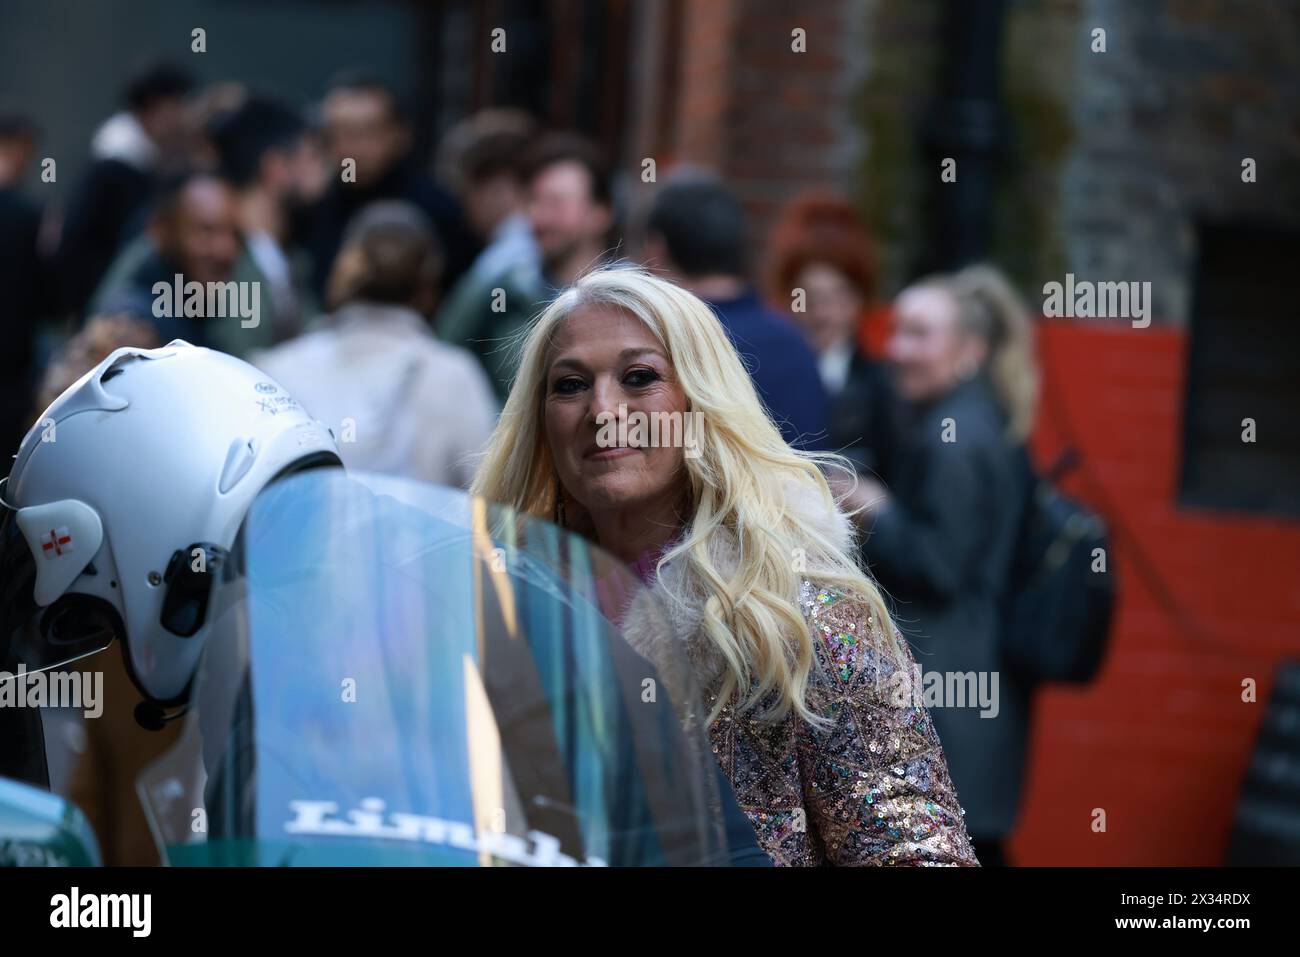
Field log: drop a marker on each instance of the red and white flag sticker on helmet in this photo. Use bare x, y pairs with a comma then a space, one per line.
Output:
57, 543
64, 537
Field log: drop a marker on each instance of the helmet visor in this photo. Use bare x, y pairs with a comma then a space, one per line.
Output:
409, 675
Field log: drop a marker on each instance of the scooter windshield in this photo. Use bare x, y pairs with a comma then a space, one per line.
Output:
403, 674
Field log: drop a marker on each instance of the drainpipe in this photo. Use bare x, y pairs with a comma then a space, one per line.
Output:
968, 123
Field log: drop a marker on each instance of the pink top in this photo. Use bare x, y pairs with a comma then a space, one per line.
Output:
612, 589
644, 566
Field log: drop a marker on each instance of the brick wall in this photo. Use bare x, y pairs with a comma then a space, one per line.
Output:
769, 119
1161, 123
1112, 157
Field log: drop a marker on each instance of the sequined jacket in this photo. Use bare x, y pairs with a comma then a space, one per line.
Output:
871, 786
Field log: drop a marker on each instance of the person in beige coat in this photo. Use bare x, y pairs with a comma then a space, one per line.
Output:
398, 400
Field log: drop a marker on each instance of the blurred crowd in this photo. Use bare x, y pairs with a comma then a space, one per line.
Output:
391, 288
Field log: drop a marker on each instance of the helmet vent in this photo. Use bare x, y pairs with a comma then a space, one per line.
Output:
119, 366
239, 459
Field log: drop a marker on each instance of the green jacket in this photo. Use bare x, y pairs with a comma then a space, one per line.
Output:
489, 316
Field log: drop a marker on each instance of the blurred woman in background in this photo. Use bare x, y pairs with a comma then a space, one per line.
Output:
941, 540
400, 401
819, 246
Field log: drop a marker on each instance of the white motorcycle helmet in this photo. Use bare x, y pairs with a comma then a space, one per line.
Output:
124, 501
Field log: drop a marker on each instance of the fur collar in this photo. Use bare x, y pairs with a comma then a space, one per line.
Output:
671, 612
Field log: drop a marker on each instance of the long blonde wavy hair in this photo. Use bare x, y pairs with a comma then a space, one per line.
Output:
739, 485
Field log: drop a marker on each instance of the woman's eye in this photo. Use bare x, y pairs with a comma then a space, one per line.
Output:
641, 377
568, 385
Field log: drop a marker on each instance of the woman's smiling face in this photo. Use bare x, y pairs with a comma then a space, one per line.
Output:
604, 365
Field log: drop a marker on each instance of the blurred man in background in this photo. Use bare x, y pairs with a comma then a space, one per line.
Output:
17, 147
194, 234
268, 154
696, 236
570, 206
488, 171
368, 142
571, 213
130, 151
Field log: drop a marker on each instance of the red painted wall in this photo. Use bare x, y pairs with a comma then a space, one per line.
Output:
1161, 740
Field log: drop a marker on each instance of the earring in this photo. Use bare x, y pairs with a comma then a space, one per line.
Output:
559, 510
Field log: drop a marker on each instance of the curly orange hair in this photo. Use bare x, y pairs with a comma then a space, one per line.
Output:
818, 227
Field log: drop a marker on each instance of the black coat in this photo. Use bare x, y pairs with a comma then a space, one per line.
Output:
23, 294
22, 746
862, 417
106, 205
942, 550
323, 226
135, 297
782, 366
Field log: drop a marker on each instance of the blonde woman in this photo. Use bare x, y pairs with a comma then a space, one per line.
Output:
831, 758
942, 541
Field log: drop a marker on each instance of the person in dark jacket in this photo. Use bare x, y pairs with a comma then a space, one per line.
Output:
941, 541
24, 285
22, 747
127, 153
269, 155
695, 236
821, 265
368, 142
570, 213
193, 234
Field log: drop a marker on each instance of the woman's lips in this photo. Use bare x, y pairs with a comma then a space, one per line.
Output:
613, 452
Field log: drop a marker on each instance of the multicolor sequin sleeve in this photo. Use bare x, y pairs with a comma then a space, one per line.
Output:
875, 781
